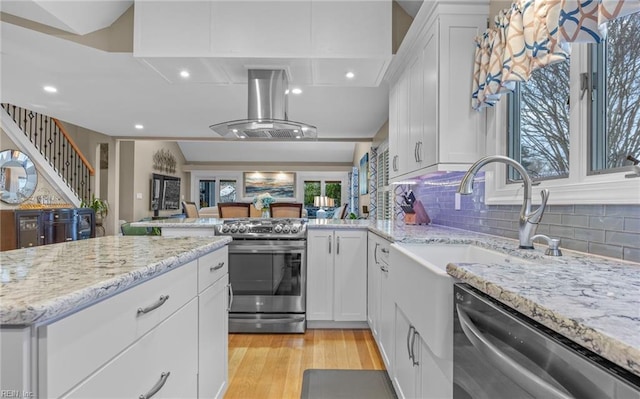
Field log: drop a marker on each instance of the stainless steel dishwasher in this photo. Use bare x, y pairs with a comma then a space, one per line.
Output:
500, 353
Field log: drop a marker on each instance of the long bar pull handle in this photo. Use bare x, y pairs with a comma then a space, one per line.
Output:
230, 297
411, 328
159, 302
329, 244
154, 390
375, 253
413, 348
216, 267
337, 245
509, 367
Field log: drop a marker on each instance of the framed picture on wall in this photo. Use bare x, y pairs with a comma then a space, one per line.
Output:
363, 174
278, 184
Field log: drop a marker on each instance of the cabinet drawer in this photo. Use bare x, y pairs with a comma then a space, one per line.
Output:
72, 348
171, 347
211, 267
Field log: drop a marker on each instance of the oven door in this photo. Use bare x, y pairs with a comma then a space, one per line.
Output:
267, 276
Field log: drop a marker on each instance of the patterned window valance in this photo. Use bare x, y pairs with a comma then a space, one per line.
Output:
532, 34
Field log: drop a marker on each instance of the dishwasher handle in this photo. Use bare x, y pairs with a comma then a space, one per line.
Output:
514, 370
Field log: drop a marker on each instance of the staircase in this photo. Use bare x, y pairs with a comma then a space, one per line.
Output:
51, 148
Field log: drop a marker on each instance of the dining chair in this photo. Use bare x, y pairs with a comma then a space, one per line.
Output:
233, 209
190, 209
286, 210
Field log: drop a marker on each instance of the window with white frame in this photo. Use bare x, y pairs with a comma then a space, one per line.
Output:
212, 190
578, 119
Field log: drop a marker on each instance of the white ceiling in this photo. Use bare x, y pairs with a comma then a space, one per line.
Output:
111, 92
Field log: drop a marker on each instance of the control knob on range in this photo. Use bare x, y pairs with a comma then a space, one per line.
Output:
224, 228
242, 228
295, 228
287, 228
234, 228
278, 228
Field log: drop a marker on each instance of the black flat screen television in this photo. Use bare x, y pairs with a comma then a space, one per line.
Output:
165, 193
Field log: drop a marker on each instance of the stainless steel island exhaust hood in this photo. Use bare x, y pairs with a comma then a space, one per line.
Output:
267, 114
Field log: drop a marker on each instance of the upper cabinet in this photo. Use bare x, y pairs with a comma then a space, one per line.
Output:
266, 29
431, 124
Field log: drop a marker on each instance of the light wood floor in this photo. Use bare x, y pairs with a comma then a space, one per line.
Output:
271, 365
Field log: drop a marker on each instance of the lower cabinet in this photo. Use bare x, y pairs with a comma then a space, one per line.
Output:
336, 275
166, 337
162, 364
380, 310
418, 373
213, 331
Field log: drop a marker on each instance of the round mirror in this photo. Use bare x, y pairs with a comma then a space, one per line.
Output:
18, 177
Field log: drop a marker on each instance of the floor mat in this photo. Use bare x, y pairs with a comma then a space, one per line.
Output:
352, 384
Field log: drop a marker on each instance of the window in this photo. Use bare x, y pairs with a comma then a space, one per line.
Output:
210, 197
328, 188
574, 125
383, 192
615, 109
539, 123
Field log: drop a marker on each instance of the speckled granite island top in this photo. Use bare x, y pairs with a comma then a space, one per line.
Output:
44, 282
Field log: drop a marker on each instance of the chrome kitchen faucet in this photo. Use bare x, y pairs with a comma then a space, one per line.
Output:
528, 222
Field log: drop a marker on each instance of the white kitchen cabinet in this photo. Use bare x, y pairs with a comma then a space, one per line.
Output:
163, 361
380, 306
213, 323
423, 327
430, 90
213, 329
175, 323
336, 275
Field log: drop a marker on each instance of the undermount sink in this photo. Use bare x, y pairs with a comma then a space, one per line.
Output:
437, 256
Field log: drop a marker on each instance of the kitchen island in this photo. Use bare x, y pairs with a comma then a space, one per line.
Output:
74, 315
592, 300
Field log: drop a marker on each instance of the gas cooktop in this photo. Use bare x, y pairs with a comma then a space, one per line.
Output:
256, 228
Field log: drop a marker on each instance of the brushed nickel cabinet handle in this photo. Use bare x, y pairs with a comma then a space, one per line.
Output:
230, 297
154, 390
375, 253
160, 302
329, 243
337, 245
216, 267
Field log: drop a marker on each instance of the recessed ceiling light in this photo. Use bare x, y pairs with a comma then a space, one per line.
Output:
350, 75
139, 126
50, 89
296, 91
184, 73
234, 130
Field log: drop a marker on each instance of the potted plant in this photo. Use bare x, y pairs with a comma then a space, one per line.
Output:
99, 206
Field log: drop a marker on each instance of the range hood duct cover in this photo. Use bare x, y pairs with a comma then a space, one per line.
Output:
267, 112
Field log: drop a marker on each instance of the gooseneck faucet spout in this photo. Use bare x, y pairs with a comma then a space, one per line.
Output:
528, 222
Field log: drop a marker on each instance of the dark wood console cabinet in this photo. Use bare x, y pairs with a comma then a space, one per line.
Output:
30, 228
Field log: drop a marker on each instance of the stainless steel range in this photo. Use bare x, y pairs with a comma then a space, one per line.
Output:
267, 271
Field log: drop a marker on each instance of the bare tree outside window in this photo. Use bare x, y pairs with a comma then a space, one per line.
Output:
540, 123
616, 108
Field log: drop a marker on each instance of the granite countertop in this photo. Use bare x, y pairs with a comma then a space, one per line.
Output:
592, 300
45, 282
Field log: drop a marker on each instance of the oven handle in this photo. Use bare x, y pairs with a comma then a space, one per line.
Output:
230, 297
516, 372
252, 248
268, 321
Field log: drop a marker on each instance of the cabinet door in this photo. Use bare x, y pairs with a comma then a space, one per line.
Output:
170, 347
320, 249
405, 373
386, 317
393, 131
29, 229
403, 123
373, 285
213, 328
350, 276
415, 114
428, 150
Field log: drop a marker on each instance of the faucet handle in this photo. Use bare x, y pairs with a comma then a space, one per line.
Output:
553, 243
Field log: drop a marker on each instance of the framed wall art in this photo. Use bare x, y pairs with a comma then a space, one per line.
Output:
278, 184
